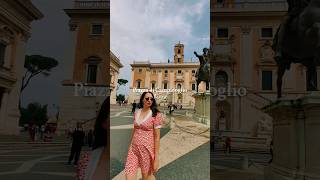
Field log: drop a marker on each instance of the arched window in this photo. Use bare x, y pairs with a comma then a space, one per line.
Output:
138, 84
221, 79
165, 85
310, 86
92, 73
194, 86
179, 86
153, 85
92, 68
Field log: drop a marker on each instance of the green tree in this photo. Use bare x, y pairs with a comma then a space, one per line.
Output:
34, 113
122, 82
121, 97
34, 65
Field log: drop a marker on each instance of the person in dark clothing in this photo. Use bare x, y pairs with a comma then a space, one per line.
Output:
271, 151
77, 143
90, 138
134, 105
32, 131
228, 145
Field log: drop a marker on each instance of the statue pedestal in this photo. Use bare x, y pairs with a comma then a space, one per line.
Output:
296, 143
202, 108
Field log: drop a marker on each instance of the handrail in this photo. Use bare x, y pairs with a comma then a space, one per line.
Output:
103, 4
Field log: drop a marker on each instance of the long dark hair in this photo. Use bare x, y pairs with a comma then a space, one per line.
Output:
153, 107
101, 134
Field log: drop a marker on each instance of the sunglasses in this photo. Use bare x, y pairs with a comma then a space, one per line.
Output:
147, 99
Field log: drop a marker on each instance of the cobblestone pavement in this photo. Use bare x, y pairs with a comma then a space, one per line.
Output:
183, 153
233, 166
21, 159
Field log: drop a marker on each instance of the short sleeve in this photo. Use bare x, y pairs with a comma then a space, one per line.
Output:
157, 121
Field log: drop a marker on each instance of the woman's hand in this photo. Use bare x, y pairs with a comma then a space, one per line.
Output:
156, 165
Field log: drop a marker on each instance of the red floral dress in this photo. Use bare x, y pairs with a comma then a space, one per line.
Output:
82, 166
141, 151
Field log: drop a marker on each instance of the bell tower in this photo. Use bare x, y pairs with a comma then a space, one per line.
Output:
179, 53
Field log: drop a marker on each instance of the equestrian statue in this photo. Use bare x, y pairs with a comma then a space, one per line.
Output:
203, 73
298, 41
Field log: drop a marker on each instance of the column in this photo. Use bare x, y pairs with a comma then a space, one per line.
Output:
246, 62
172, 84
74, 31
171, 79
12, 112
147, 80
159, 83
3, 111
187, 80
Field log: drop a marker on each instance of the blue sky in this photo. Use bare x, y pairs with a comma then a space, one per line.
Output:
149, 29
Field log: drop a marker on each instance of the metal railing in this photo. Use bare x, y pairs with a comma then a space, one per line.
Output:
103, 4
255, 5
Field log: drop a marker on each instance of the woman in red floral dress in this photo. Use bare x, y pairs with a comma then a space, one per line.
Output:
94, 165
145, 142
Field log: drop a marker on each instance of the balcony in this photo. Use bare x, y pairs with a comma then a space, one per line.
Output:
251, 5
179, 76
103, 4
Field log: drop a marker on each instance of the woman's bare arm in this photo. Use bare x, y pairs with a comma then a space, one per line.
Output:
157, 142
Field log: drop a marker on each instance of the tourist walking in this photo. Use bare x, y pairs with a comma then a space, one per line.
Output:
134, 106
42, 130
77, 143
271, 151
144, 146
228, 145
32, 131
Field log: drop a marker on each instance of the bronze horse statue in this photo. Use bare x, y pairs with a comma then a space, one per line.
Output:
300, 43
203, 73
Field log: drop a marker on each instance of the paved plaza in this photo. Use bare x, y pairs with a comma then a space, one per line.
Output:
184, 153
241, 164
184, 146
21, 159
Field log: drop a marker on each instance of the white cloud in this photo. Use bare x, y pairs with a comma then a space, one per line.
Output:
143, 29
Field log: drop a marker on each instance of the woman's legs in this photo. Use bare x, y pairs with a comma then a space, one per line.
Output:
146, 176
131, 177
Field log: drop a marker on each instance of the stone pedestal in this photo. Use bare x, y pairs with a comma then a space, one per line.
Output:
202, 108
296, 133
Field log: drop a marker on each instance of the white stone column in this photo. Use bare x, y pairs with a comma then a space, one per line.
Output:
172, 85
147, 80
246, 62
3, 112
187, 80
12, 113
171, 79
159, 83
74, 39
236, 113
